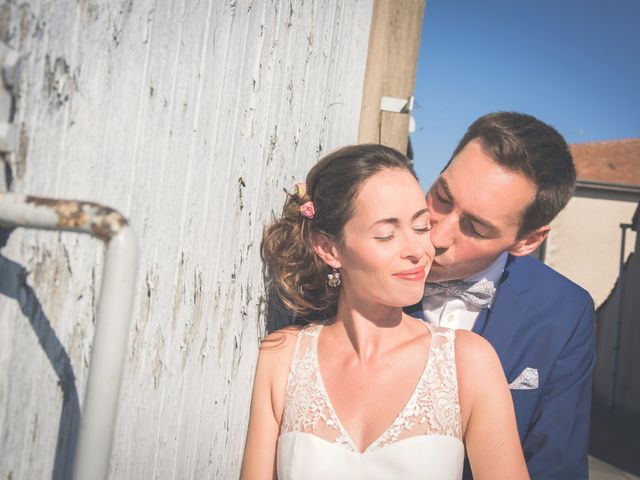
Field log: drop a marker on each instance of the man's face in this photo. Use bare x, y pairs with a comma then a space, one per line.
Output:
476, 207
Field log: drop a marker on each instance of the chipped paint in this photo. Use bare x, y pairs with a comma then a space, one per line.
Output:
102, 116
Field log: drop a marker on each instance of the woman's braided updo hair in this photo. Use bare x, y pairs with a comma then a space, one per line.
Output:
297, 276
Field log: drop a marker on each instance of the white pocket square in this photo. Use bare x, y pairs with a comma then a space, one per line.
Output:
527, 380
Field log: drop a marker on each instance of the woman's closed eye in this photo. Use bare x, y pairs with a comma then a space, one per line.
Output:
385, 237
422, 228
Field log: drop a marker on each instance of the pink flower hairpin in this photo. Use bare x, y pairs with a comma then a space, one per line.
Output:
307, 209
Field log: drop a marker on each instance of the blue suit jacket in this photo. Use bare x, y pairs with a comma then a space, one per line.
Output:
539, 319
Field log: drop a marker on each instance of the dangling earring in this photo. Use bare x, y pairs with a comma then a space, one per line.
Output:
334, 278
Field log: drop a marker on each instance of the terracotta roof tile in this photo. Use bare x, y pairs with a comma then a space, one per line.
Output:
614, 161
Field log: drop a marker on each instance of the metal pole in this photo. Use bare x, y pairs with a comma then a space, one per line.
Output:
617, 324
113, 316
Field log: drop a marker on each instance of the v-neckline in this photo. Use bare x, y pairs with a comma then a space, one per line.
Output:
332, 410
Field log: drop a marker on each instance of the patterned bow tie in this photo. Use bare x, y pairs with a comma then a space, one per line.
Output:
479, 294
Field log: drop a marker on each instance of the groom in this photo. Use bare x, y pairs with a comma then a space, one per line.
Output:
491, 207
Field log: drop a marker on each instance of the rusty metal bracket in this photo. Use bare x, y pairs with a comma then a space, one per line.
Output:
113, 313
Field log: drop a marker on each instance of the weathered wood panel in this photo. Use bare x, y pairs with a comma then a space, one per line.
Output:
189, 117
391, 70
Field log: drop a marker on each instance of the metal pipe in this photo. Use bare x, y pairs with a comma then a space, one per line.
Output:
617, 324
113, 315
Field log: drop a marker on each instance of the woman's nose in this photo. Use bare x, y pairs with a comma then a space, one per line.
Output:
417, 246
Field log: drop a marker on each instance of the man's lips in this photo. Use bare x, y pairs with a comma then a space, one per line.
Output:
415, 274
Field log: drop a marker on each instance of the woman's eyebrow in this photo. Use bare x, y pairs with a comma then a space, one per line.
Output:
419, 213
396, 221
391, 220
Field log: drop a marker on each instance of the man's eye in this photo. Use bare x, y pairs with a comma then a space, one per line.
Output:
476, 233
468, 227
442, 199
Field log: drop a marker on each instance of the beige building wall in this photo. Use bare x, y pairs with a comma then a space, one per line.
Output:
584, 242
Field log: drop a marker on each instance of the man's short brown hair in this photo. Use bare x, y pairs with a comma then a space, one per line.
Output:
526, 145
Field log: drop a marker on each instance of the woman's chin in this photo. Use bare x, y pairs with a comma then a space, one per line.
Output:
408, 300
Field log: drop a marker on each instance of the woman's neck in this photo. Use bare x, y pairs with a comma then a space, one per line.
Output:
369, 331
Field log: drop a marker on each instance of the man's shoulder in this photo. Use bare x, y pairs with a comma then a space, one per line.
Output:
544, 280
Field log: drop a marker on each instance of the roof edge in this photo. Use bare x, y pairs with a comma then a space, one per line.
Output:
609, 186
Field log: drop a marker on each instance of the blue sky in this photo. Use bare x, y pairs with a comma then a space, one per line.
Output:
573, 63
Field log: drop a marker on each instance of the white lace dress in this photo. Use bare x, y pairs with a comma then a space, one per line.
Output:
424, 441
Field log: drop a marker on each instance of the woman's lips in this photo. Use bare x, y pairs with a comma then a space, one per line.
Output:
415, 274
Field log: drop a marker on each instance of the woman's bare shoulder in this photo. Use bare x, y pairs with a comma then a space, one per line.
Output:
479, 371
277, 350
472, 348
477, 363
281, 341
274, 362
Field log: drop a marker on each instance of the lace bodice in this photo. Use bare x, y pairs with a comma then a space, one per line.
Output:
433, 408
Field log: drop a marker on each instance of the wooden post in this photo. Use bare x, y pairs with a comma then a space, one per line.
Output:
391, 70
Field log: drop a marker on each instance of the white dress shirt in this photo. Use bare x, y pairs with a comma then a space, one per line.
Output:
453, 312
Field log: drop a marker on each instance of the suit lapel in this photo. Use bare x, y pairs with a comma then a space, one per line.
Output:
481, 321
499, 324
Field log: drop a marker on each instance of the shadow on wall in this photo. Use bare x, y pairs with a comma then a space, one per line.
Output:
13, 284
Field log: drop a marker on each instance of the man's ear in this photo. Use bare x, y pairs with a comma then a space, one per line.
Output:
325, 248
530, 241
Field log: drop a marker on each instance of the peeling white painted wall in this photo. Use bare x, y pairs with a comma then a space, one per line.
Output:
189, 117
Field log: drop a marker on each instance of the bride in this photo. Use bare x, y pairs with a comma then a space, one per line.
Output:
365, 391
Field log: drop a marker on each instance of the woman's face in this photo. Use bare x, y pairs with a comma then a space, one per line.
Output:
387, 252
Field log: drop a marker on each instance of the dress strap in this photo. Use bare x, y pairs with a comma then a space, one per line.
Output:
306, 406
312, 330
445, 369
305, 338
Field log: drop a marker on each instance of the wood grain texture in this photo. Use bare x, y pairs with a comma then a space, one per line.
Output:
391, 70
189, 117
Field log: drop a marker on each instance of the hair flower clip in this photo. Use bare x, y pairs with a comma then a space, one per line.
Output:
307, 209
